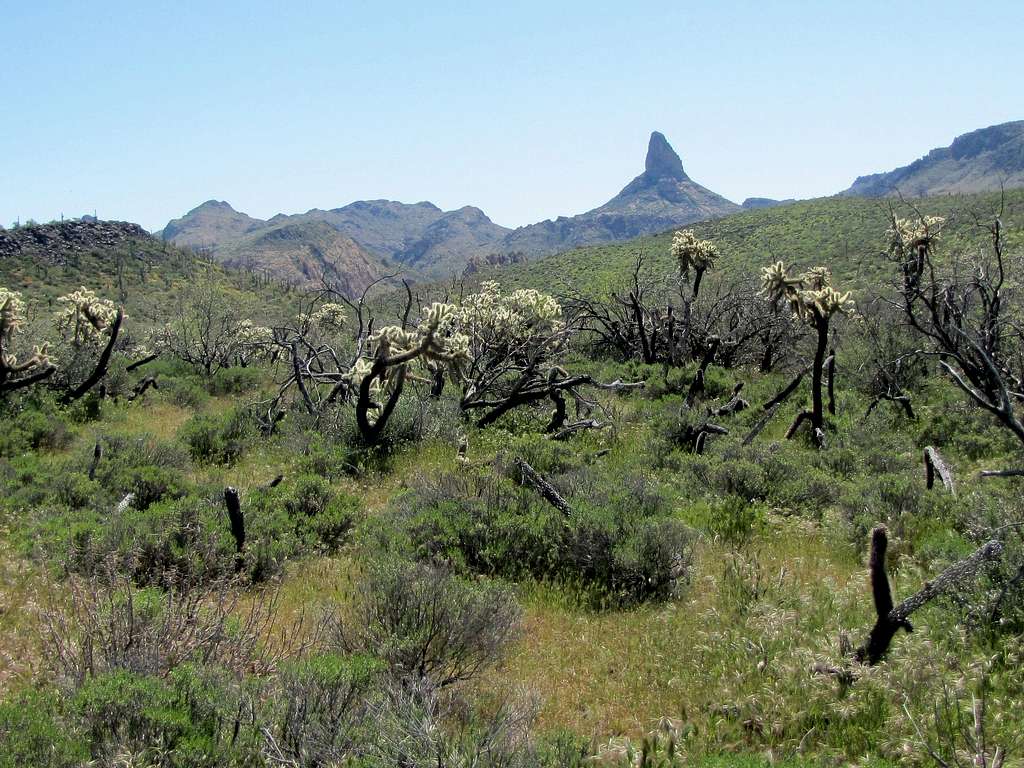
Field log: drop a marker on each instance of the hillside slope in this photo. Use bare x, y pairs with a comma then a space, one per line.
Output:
980, 161
304, 253
120, 261
845, 233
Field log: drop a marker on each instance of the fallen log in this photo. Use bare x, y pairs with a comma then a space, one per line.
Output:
530, 476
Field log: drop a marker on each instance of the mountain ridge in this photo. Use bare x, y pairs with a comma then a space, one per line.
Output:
436, 242
983, 160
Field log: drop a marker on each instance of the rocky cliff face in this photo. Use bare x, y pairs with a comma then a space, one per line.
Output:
980, 161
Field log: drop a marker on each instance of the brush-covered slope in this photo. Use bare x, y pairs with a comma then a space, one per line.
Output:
845, 233
120, 261
304, 253
662, 196
980, 161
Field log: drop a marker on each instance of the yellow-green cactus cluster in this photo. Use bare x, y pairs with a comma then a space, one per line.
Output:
12, 320
12, 314
492, 316
248, 334
433, 336
692, 253
809, 295
85, 316
329, 316
908, 234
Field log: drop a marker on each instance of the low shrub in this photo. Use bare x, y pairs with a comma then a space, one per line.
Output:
218, 439
426, 623
621, 546
235, 381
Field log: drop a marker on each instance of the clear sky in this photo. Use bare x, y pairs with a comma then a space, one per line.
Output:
142, 110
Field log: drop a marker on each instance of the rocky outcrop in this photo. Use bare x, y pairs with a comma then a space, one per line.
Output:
56, 242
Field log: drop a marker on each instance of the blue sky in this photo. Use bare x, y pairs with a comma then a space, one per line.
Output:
142, 110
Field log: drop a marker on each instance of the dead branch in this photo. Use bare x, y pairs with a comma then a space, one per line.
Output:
530, 476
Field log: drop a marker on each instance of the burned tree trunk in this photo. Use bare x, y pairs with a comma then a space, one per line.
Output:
530, 476
237, 520
934, 465
830, 369
892, 619
97, 454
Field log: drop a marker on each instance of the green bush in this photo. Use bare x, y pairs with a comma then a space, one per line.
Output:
184, 393
32, 425
299, 516
182, 721
235, 381
218, 439
427, 624
33, 733
621, 546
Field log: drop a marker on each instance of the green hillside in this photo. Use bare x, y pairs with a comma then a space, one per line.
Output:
847, 234
147, 275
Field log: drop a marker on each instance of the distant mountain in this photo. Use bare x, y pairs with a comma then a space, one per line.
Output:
979, 161
753, 203
208, 225
367, 239
660, 198
372, 235
304, 252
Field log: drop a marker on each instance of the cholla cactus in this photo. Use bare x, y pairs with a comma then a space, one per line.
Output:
810, 296
908, 236
509, 319
89, 327
12, 314
692, 253
327, 317
814, 301
433, 339
85, 316
15, 374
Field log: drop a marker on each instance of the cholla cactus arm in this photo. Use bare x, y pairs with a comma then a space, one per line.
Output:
85, 316
104, 360
15, 374
695, 254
